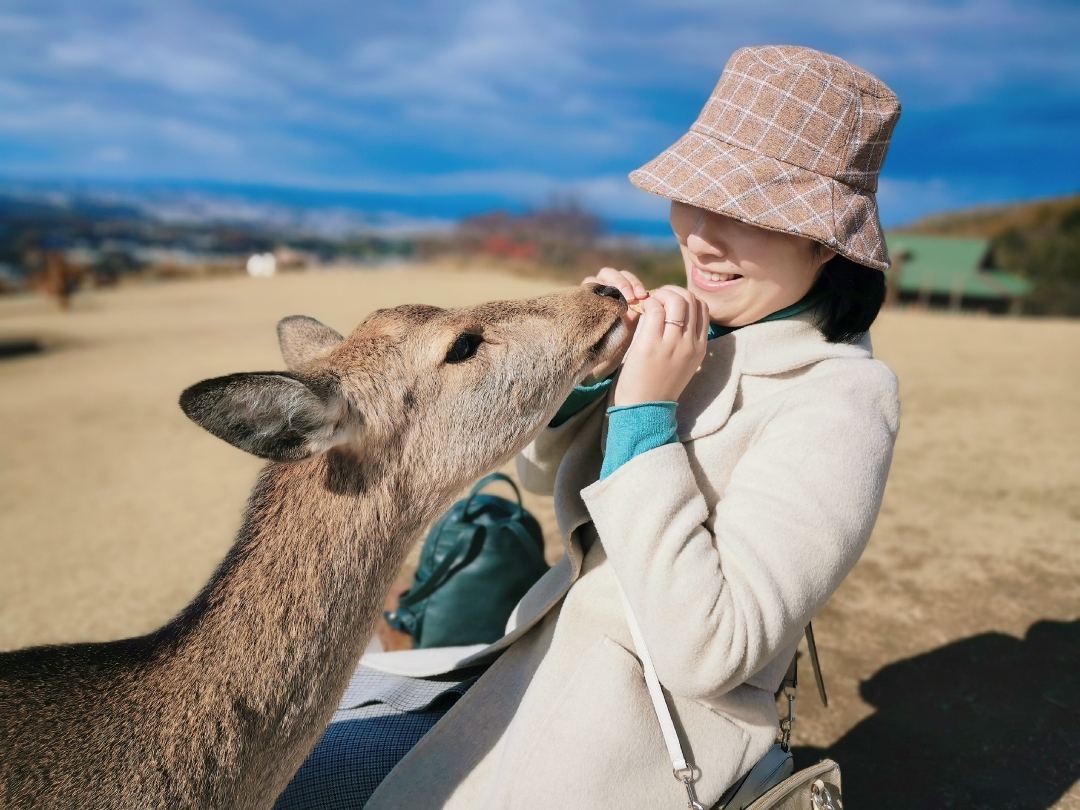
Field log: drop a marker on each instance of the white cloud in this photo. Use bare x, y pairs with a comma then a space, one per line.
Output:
497, 52
901, 201
611, 196
516, 99
111, 154
617, 198
17, 24
952, 52
191, 54
200, 139
134, 59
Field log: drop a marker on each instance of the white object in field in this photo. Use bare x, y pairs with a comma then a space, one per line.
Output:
261, 265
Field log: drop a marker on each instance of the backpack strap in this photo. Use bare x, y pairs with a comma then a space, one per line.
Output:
490, 479
791, 677
442, 571
462, 548
403, 618
791, 681
469, 542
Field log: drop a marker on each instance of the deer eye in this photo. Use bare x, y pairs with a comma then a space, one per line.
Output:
464, 348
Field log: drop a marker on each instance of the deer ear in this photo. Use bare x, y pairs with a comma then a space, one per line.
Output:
303, 339
273, 415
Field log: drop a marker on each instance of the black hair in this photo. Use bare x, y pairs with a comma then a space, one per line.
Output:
852, 296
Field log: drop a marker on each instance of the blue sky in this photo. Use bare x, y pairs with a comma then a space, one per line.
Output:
436, 109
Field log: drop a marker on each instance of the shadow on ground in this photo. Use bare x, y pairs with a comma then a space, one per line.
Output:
990, 721
18, 347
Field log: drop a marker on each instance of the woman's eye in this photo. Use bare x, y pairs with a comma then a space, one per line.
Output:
464, 348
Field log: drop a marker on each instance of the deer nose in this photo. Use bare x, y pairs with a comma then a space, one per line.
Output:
611, 292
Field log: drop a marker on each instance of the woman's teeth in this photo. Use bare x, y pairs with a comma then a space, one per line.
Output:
719, 276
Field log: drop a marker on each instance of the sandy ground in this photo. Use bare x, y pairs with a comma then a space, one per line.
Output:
951, 653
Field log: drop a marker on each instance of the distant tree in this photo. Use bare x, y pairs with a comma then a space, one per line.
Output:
566, 223
491, 223
557, 235
561, 223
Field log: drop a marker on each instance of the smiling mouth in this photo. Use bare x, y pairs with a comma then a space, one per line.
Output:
709, 279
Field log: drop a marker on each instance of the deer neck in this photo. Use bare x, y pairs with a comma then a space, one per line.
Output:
266, 650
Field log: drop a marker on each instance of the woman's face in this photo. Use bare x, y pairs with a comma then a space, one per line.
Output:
741, 271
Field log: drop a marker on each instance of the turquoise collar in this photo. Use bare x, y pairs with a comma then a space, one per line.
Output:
811, 299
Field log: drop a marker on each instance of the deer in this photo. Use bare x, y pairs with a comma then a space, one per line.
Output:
367, 439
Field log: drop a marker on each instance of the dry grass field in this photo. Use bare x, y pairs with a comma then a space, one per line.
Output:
951, 653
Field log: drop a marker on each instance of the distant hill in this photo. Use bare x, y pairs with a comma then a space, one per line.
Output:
1039, 240
102, 239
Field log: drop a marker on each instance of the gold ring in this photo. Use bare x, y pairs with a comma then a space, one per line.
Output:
677, 323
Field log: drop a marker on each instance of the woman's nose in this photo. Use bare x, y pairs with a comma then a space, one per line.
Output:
705, 245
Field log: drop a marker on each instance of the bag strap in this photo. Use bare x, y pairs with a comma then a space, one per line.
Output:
442, 571
811, 645
463, 547
490, 479
402, 618
680, 767
523, 535
791, 677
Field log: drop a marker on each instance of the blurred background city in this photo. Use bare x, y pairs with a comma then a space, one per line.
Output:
177, 176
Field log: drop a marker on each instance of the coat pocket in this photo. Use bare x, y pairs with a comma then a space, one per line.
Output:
600, 744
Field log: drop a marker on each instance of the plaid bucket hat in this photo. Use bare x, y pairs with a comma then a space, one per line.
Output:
791, 139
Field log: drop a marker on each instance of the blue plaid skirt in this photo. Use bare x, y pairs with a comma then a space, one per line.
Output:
379, 719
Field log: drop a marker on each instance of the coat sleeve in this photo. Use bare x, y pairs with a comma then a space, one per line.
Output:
720, 591
538, 464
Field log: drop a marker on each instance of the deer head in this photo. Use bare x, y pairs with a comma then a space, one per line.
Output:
412, 381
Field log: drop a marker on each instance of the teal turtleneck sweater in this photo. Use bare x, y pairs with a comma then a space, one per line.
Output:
636, 429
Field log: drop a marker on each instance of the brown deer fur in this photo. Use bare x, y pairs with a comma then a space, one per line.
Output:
369, 439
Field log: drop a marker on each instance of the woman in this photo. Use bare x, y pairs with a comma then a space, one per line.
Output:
728, 476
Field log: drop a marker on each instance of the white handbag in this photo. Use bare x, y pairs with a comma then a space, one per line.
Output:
770, 785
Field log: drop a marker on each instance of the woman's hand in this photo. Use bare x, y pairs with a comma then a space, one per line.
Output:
670, 345
633, 291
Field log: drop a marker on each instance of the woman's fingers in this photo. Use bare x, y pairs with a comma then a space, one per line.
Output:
681, 310
613, 278
639, 288
668, 349
681, 292
651, 324
630, 284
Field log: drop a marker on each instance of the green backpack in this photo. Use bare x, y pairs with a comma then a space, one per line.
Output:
478, 560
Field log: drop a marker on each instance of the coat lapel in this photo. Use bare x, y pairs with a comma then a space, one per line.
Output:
776, 347
706, 403
579, 468
761, 349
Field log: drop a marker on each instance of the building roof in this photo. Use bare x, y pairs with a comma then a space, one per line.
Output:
948, 265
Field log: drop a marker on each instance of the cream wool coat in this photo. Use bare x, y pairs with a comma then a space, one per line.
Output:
726, 544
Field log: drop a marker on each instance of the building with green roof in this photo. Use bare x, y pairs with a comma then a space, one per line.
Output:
941, 272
